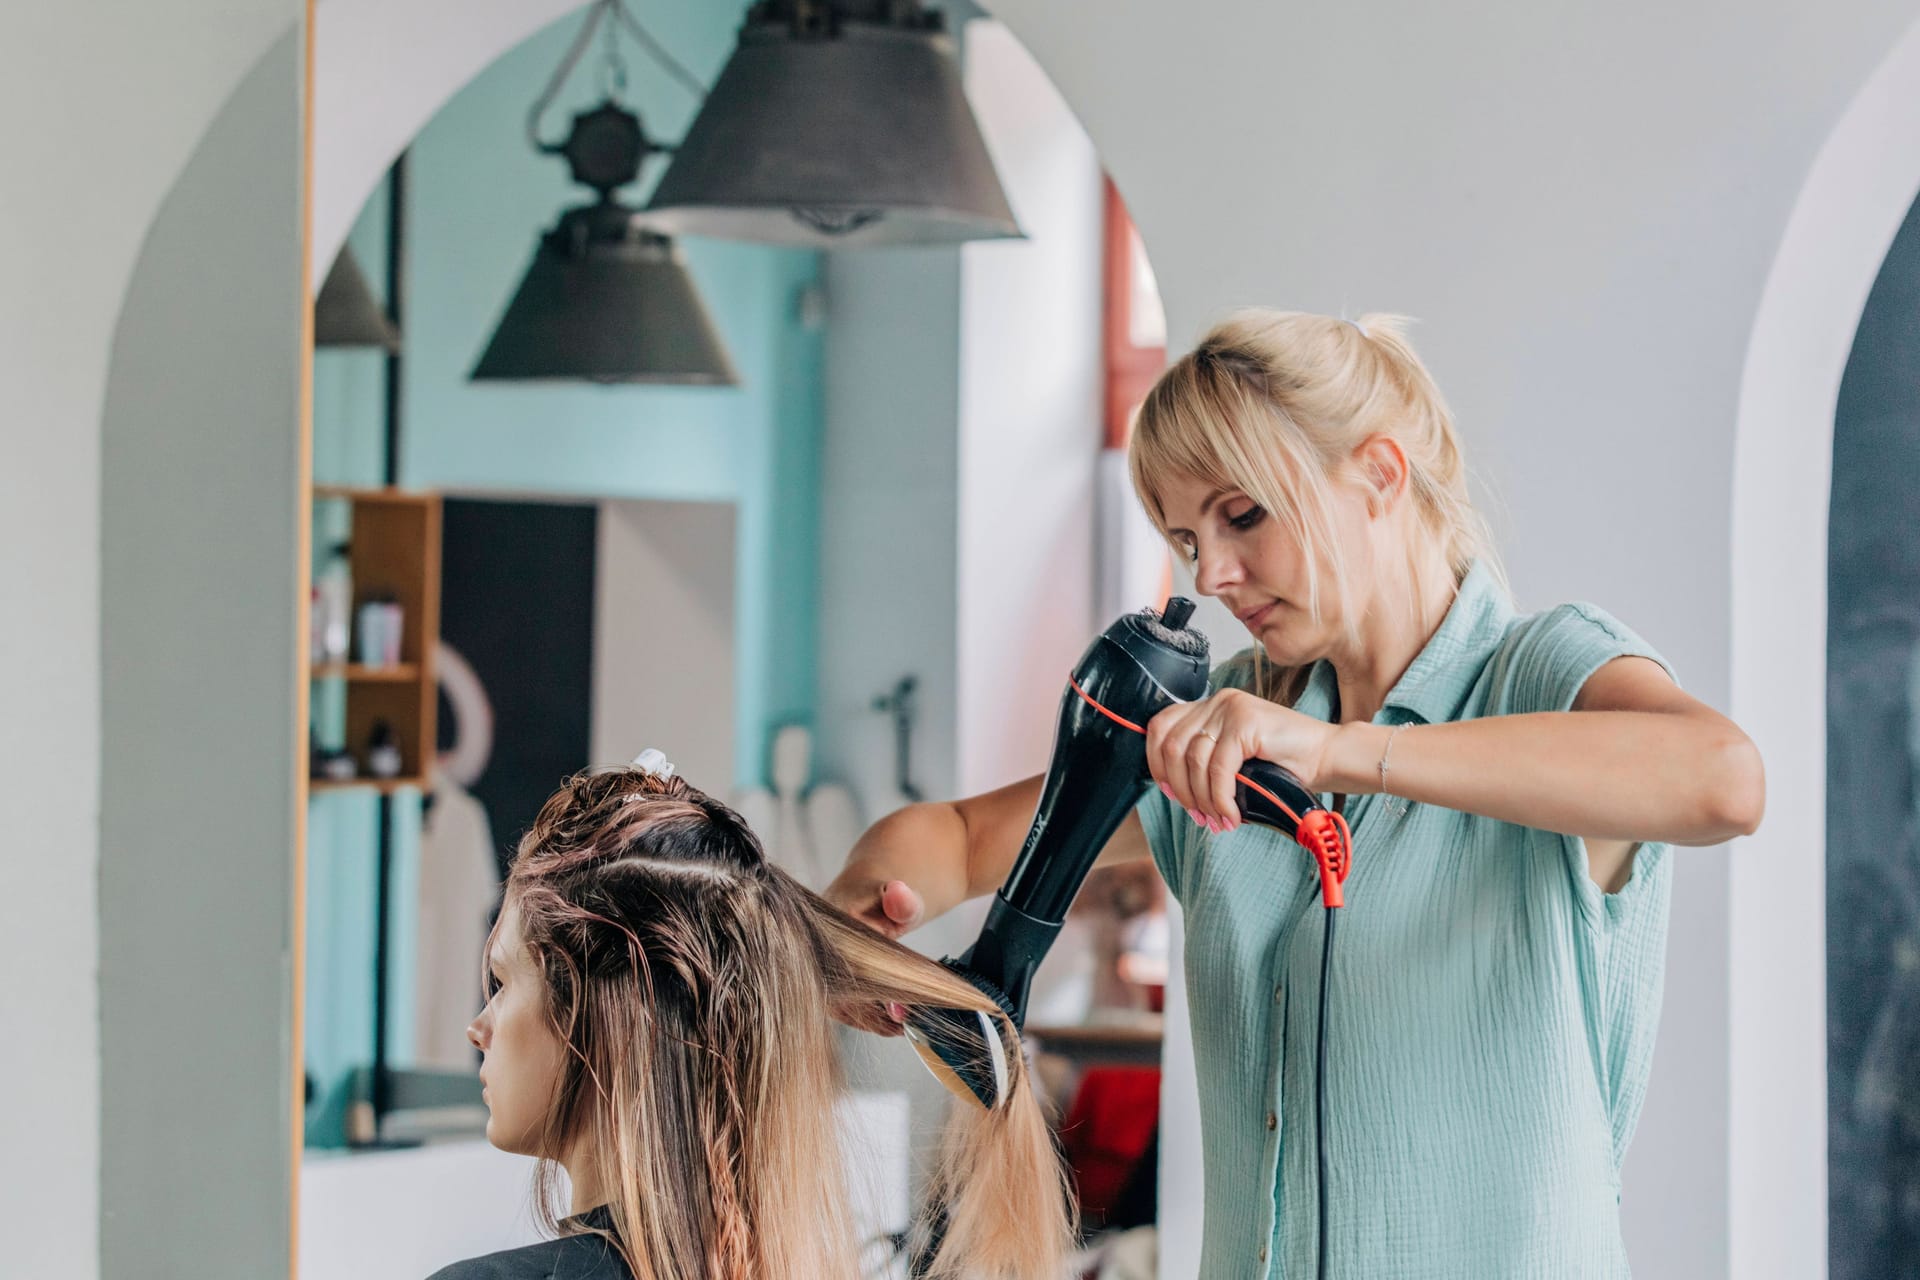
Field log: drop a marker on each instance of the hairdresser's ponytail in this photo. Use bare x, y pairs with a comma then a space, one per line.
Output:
1421, 420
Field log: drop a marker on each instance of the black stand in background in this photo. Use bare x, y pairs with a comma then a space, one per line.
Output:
379, 1080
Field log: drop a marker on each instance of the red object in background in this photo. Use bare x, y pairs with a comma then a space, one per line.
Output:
1106, 1131
1130, 369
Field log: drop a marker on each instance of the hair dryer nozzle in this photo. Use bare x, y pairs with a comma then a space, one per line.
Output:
964, 1048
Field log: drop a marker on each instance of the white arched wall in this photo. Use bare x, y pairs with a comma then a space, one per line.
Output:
127, 89
201, 512
1858, 193
381, 70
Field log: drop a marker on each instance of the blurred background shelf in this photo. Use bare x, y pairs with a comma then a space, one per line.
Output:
399, 672
385, 786
393, 553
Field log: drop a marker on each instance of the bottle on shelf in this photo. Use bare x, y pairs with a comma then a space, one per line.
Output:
333, 604
379, 632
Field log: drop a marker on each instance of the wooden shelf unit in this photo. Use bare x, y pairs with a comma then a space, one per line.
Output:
399, 671
386, 786
393, 554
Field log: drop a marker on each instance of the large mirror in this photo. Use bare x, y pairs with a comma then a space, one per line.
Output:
839, 557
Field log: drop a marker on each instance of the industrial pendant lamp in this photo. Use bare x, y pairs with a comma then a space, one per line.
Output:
606, 299
836, 124
345, 312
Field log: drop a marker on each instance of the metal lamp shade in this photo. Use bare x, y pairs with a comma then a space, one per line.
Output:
862, 138
606, 301
345, 312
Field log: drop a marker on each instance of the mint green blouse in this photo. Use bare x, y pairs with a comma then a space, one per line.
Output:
1491, 1013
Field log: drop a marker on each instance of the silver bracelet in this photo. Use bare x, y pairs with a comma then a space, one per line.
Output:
1395, 805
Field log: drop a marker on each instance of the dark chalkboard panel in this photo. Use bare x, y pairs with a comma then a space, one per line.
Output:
1873, 825
516, 600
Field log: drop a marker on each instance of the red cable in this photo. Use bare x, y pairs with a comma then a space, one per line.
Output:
1323, 833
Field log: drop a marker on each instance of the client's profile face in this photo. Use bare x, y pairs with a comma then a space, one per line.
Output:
522, 1055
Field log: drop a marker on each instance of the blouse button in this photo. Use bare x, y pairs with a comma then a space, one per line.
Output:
1263, 1253
1273, 1122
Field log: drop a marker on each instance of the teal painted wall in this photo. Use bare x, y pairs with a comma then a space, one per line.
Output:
477, 198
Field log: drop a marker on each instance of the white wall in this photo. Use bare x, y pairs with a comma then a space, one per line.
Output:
888, 559
381, 71
888, 516
401, 1215
201, 726
134, 87
1031, 387
663, 637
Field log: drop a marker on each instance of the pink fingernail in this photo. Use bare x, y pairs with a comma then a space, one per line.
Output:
1198, 819
1219, 825
1166, 790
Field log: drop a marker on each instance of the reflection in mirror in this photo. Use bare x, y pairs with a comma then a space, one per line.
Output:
919, 477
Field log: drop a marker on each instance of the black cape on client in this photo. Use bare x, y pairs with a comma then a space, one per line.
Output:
585, 1256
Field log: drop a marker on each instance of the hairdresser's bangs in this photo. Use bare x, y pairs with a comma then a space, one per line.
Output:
1213, 429
1191, 424
1207, 423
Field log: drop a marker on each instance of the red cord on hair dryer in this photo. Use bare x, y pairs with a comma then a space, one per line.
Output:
1275, 798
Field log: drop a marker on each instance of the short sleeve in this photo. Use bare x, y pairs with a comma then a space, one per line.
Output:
1548, 658
1542, 666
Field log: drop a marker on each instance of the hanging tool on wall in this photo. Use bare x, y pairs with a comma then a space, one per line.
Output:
900, 703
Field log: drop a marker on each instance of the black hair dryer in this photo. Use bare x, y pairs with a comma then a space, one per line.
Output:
1140, 665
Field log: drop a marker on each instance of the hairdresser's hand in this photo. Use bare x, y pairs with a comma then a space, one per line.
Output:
889, 908
1195, 748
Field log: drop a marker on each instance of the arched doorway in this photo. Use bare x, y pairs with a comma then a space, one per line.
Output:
1848, 213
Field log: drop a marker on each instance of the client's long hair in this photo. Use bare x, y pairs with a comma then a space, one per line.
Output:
694, 985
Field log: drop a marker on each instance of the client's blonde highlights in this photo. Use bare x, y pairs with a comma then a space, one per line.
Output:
694, 985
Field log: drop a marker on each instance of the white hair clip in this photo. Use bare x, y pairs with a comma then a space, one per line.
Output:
655, 762
1362, 328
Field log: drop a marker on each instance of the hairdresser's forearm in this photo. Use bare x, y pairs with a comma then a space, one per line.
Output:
946, 853
1620, 775
924, 845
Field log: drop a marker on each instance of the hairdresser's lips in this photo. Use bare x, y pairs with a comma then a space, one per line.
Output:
1254, 617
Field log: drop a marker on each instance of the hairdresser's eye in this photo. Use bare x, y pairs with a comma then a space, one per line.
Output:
1248, 518
1188, 548
493, 984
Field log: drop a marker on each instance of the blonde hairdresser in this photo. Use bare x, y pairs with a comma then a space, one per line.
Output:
1517, 786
